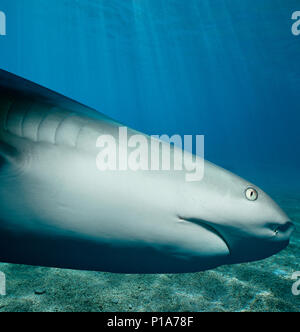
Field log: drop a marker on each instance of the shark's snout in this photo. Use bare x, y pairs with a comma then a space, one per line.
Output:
285, 231
282, 236
255, 246
246, 245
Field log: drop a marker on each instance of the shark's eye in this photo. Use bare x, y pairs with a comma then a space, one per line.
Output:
251, 194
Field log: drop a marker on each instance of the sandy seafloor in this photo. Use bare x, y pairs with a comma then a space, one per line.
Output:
258, 286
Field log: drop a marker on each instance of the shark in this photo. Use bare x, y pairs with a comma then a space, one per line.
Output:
58, 210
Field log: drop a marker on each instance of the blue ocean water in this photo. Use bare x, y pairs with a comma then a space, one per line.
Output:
228, 69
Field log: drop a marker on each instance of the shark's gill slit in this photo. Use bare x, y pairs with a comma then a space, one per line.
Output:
25, 114
7, 115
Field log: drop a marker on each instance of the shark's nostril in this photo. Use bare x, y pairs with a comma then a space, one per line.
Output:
287, 228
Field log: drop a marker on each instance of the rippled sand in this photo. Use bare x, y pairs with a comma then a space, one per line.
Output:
259, 286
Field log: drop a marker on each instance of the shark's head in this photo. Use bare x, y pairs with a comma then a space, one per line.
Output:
250, 223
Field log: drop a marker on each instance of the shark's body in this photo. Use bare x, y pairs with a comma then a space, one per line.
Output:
57, 209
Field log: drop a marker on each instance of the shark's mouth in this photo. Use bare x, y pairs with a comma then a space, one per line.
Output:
207, 225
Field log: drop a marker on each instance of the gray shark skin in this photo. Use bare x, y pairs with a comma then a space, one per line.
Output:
58, 210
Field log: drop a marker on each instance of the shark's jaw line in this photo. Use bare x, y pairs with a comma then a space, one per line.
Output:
207, 225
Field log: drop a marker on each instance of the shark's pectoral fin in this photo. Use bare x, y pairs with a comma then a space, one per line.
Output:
8, 154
